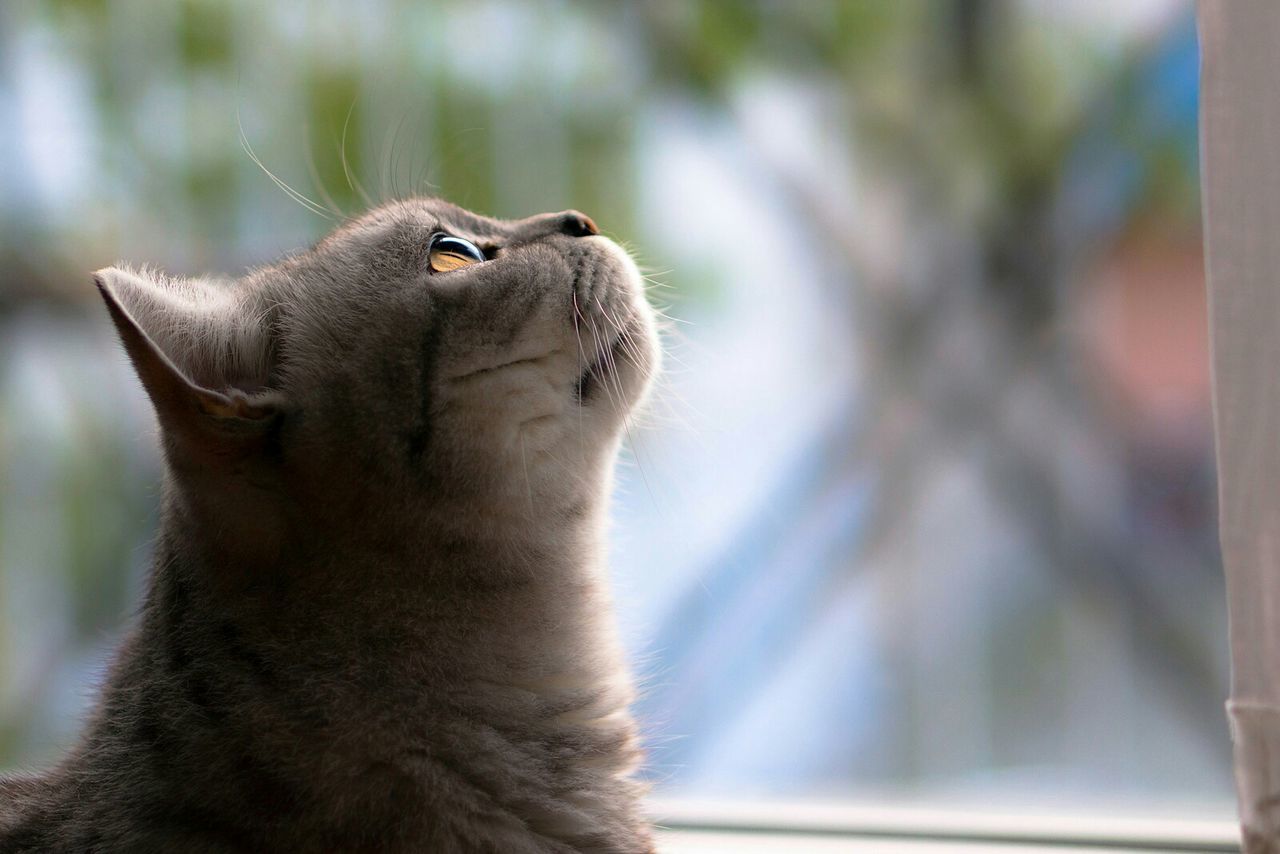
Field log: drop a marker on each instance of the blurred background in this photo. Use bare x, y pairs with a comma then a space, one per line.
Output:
924, 506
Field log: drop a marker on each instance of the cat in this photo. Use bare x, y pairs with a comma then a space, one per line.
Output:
377, 618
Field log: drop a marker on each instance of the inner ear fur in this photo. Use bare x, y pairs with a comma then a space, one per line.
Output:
192, 347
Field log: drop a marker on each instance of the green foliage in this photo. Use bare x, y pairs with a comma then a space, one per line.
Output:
205, 33
333, 107
461, 148
101, 518
971, 105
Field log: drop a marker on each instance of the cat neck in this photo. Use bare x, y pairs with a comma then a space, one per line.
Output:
512, 597
459, 665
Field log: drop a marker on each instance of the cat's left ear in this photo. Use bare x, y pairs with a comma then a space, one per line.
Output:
200, 353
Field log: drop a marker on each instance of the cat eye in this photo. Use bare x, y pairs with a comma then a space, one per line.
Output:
449, 253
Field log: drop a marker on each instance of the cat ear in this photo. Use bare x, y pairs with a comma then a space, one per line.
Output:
201, 353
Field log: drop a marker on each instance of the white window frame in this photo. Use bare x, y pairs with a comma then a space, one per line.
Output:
696, 826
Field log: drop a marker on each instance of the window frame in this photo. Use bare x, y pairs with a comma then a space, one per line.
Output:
719, 822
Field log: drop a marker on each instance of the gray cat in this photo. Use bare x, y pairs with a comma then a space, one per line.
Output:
377, 618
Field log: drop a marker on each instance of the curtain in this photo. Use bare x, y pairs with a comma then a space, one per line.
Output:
1240, 178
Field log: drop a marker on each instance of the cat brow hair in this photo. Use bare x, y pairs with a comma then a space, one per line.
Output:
298, 197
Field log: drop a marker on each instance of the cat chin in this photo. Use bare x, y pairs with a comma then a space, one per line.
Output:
630, 355
608, 366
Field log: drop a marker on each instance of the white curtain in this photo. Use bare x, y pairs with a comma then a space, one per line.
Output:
1240, 176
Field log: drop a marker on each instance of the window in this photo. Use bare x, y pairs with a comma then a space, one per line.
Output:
922, 511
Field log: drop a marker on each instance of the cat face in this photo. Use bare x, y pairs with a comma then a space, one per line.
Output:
420, 353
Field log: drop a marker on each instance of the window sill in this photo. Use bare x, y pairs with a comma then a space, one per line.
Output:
697, 827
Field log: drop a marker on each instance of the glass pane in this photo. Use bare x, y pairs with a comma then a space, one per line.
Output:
924, 504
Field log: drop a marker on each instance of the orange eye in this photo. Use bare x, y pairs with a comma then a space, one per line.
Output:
450, 253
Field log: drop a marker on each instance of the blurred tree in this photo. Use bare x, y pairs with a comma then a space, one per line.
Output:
972, 124
968, 118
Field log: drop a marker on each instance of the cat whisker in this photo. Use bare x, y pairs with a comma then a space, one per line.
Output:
582, 356
624, 340
661, 313
308, 204
631, 348
621, 339
388, 143
615, 340
414, 120
668, 352
651, 286
352, 183
598, 338
317, 181
667, 407
664, 389
394, 164
420, 174
611, 382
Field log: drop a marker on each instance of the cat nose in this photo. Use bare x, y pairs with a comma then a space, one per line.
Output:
576, 224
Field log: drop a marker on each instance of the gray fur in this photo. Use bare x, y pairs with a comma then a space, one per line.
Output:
377, 619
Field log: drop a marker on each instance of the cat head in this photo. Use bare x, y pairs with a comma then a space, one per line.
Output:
417, 357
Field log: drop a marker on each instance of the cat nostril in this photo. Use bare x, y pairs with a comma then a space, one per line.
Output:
576, 224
